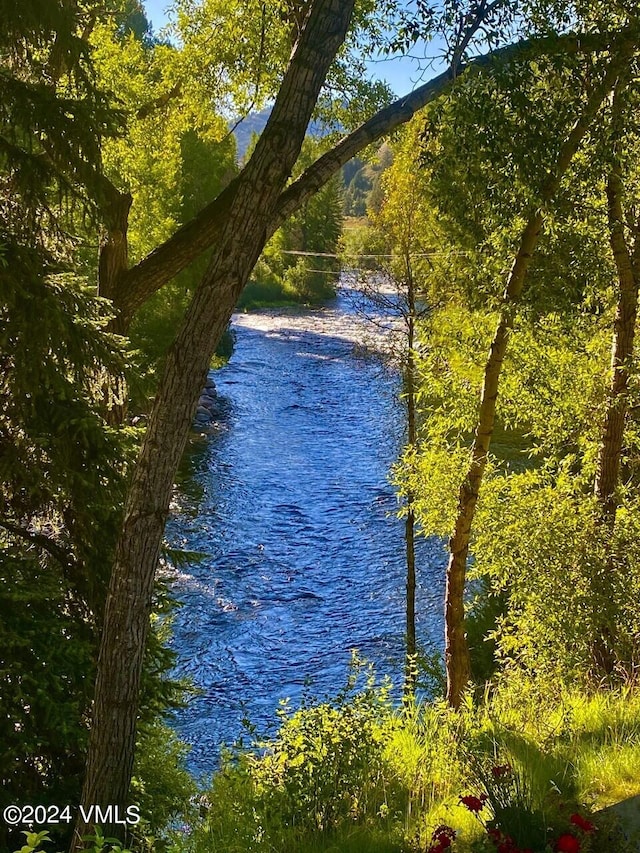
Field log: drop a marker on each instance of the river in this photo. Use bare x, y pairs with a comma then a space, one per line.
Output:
288, 499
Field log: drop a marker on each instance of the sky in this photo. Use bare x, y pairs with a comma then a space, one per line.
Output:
401, 73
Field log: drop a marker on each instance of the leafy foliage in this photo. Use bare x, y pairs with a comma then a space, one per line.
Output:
532, 754
63, 469
298, 264
485, 152
323, 773
205, 168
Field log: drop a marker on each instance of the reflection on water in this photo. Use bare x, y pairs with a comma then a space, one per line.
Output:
289, 499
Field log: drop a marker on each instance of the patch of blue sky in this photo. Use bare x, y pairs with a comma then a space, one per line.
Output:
402, 73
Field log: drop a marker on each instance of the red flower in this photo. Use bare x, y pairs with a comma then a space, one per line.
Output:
495, 835
568, 844
443, 844
504, 843
500, 770
441, 839
582, 823
474, 804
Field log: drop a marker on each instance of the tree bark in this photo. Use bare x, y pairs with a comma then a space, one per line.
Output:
607, 480
610, 452
457, 659
113, 262
238, 245
410, 523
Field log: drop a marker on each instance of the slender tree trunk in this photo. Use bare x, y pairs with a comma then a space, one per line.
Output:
241, 239
457, 657
610, 452
410, 522
607, 478
410, 662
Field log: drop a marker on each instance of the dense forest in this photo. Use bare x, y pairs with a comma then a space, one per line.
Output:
493, 214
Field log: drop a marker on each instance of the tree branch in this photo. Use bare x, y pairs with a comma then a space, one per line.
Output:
161, 101
402, 110
198, 235
40, 541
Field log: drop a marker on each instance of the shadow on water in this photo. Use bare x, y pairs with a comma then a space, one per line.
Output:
289, 500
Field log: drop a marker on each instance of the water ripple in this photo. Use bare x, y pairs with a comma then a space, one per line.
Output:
290, 504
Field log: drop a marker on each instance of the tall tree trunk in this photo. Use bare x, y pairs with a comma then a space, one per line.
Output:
607, 478
241, 239
113, 262
457, 659
610, 451
410, 672
410, 522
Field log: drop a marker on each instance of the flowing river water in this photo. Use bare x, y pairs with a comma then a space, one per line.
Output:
288, 498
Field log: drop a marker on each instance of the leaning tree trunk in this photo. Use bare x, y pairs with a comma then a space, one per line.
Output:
241, 239
457, 659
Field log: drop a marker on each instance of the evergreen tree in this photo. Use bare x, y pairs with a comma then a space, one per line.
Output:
63, 471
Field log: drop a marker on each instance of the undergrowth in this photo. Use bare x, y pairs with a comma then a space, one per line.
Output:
524, 768
356, 773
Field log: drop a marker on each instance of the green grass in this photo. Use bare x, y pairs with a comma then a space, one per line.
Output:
358, 775
605, 746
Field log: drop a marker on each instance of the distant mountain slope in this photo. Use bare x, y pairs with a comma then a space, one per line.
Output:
361, 179
255, 123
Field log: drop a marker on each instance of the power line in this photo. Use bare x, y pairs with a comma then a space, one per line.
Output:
440, 252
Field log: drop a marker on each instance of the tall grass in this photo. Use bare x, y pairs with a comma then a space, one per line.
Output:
356, 774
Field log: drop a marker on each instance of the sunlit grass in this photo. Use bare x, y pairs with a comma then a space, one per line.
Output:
605, 744
567, 751
357, 840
